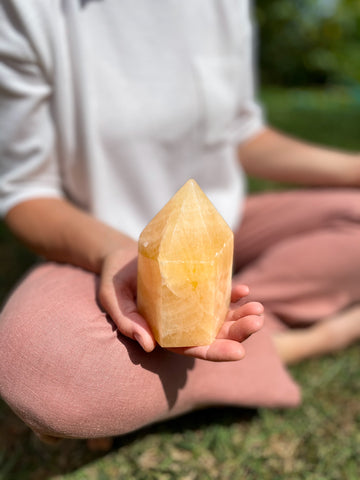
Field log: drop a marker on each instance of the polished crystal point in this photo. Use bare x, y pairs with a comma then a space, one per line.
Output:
184, 270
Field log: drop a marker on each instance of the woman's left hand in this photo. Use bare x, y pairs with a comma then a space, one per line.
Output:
243, 320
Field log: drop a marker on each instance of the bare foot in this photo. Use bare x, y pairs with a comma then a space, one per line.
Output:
48, 439
329, 335
93, 444
99, 444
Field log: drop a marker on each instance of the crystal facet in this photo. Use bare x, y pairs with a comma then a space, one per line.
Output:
184, 270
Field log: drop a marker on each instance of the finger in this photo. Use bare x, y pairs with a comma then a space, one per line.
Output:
243, 328
221, 350
250, 308
239, 291
122, 309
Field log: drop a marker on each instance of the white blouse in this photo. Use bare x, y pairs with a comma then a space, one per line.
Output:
115, 104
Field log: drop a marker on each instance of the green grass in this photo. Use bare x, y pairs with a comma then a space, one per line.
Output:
320, 440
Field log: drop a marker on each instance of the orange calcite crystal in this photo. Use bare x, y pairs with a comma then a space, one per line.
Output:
184, 270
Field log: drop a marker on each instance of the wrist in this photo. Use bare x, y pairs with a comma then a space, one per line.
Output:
120, 244
353, 172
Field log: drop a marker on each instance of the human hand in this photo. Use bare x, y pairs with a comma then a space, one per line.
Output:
117, 294
243, 320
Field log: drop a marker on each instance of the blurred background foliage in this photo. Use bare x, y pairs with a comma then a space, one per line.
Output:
309, 42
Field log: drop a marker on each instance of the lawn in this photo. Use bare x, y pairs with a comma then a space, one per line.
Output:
320, 440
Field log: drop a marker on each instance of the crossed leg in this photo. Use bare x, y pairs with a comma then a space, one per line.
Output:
300, 254
65, 370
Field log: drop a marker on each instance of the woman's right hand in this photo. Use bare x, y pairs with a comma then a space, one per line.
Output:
61, 232
117, 295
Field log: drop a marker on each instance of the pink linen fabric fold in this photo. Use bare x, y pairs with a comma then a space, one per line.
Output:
66, 371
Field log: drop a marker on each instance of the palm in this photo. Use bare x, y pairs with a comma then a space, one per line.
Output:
242, 321
117, 295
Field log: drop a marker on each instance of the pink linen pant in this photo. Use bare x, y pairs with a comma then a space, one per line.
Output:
66, 371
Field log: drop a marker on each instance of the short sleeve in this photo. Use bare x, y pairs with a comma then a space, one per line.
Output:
250, 119
28, 165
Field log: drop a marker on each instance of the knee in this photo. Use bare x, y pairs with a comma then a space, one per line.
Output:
18, 378
33, 386
39, 356
43, 338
